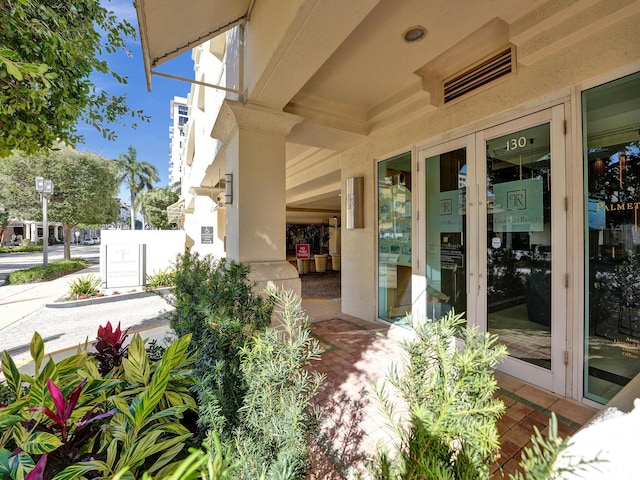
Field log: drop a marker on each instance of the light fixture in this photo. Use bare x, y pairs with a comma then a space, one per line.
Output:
228, 188
414, 34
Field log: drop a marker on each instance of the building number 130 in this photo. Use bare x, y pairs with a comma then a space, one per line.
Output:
514, 143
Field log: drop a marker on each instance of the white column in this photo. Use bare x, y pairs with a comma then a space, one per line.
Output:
254, 143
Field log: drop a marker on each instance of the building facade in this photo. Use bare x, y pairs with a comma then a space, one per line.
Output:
483, 157
179, 117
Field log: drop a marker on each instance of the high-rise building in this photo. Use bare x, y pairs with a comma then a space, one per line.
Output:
179, 117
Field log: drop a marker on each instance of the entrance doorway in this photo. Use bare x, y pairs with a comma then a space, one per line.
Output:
494, 239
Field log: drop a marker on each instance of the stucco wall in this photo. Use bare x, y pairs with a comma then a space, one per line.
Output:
162, 246
551, 80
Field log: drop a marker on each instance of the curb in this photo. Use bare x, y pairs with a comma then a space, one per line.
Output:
107, 299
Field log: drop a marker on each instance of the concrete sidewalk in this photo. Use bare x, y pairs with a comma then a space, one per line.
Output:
20, 301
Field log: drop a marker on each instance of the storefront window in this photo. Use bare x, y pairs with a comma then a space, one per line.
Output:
394, 238
611, 125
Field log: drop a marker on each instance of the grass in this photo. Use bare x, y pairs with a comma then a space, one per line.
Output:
23, 248
39, 273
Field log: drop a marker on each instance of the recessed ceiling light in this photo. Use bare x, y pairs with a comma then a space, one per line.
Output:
414, 34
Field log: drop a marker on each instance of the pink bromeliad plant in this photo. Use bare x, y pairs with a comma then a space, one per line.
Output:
109, 350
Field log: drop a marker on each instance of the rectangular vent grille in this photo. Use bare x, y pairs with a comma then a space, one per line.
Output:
479, 75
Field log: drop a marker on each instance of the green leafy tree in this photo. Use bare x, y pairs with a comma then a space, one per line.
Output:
137, 175
154, 205
4, 222
85, 188
48, 50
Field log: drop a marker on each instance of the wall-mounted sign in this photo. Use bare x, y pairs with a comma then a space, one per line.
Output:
206, 235
517, 206
125, 265
303, 251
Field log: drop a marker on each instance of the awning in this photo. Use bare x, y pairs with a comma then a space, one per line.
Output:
169, 27
174, 212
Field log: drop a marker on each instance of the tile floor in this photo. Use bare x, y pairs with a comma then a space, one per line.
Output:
358, 353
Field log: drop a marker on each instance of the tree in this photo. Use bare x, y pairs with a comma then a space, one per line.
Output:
4, 222
138, 176
48, 50
154, 205
85, 188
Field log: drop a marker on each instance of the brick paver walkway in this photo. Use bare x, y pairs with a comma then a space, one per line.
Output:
358, 352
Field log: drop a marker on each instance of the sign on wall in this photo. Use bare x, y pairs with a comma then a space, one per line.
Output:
206, 235
517, 206
125, 265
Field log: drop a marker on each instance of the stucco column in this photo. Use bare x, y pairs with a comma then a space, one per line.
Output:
253, 139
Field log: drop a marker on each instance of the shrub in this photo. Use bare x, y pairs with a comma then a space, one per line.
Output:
449, 428
215, 303
84, 285
39, 273
22, 248
163, 278
270, 437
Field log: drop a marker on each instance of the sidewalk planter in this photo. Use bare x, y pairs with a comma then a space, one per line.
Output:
321, 262
335, 261
303, 266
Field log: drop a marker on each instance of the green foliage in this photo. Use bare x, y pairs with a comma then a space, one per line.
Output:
84, 285
48, 53
161, 278
214, 302
275, 420
39, 273
137, 175
449, 430
154, 205
85, 188
129, 418
22, 248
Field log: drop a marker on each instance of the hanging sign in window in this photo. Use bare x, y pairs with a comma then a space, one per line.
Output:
517, 206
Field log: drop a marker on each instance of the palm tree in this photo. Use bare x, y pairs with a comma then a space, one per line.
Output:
139, 176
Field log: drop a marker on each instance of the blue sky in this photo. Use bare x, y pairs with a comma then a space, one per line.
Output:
150, 139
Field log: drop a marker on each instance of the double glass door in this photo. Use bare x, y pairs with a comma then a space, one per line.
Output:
495, 239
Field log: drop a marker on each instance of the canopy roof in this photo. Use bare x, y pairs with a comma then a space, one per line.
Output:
169, 28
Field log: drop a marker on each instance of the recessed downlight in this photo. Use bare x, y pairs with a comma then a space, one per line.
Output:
414, 34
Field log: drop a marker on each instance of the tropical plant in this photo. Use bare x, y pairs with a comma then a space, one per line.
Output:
49, 55
137, 175
109, 350
84, 285
449, 428
94, 425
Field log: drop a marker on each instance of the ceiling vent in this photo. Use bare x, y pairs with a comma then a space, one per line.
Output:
480, 74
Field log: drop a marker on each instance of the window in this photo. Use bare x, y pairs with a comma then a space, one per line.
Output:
394, 238
611, 125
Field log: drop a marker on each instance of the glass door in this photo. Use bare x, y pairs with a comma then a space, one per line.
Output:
494, 239
522, 254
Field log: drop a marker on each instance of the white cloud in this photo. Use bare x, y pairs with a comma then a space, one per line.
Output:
123, 9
